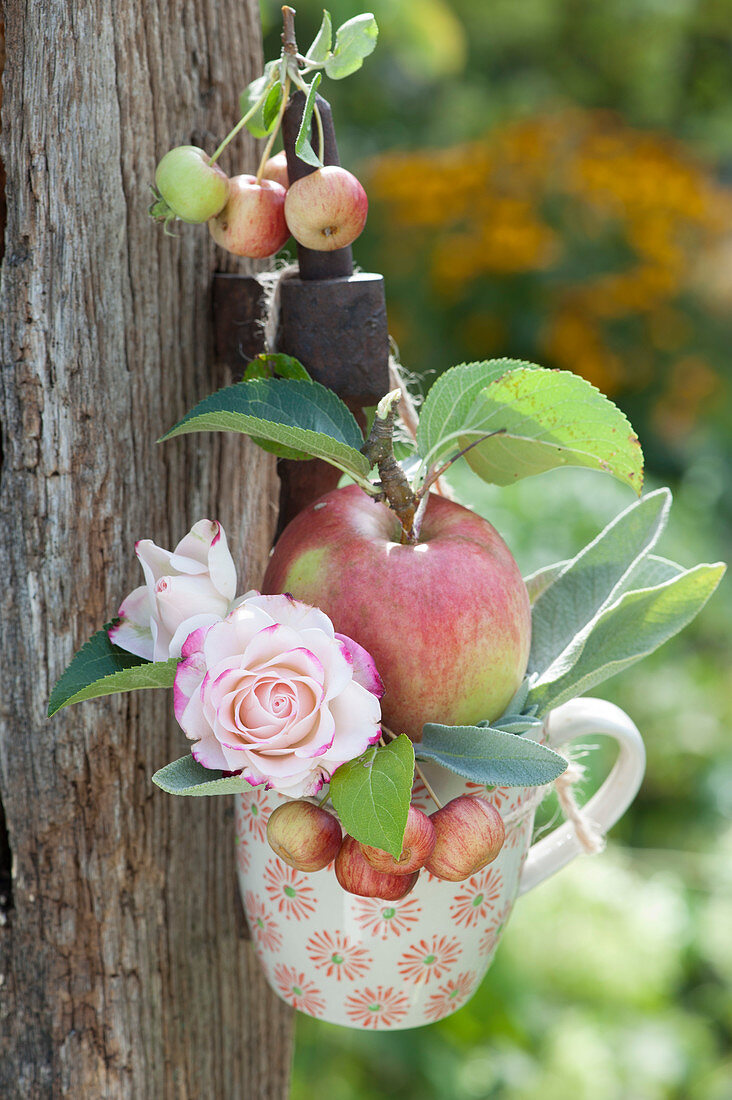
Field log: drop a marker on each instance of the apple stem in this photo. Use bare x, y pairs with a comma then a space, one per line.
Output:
428, 788
379, 450
289, 43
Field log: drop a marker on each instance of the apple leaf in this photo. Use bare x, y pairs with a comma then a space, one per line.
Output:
620, 634
100, 668
272, 105
594, 578
302, 415
320, 48
544, 419
491, 756
354, 41
254, 92
187, 776
303, 148
270, 363
372, 794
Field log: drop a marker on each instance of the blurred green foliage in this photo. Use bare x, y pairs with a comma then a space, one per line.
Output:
612, 982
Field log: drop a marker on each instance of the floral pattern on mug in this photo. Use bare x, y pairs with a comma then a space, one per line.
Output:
450, 996
477, 897
290, 890
295, 988
378, 1006
429, 959
337, 956
387, 918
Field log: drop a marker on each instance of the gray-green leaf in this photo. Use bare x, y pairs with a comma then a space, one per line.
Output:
490, 756
372, 794
545, 418
629, 629
303, 148
320, 48
354, 41
100, 668
302, 415
594, 578
187, 776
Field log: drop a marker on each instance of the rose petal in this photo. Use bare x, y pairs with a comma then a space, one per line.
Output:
364, 666
189, 627
291, 612
133, 632
154, 560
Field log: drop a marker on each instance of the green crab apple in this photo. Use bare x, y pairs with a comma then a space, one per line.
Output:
447, 620
304, 835
193, 189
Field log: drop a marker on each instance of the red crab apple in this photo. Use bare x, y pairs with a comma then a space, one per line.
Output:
470, 834
357, 876
253, 221
326, 209
447, 620
276, 169
417, 846
193, 189
305, 836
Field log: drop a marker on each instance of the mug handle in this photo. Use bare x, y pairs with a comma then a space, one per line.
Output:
576, 719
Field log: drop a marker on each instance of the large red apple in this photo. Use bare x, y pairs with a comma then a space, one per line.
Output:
447, 620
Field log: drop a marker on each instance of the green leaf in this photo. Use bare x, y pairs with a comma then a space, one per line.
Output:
372, 794
303, 148
320, 48
637, 624
546, 419
100, 668
270, 363
271, 107
450, 402
354, 41
187, 776
486, 755
594, 578
252, 93
303, 415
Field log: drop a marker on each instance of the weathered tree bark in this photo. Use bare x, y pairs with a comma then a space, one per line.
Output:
123, 968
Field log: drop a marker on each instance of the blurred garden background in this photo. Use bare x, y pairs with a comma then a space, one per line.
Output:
552, 180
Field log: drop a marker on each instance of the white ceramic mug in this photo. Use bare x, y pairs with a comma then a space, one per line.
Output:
367, 963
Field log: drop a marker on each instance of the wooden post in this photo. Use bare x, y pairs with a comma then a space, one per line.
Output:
123, 970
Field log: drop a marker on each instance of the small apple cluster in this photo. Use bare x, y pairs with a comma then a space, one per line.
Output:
452, 844
253, 216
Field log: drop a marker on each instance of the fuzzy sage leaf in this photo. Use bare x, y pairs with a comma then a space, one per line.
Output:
490, 756
303, 148
372, 793
187, 777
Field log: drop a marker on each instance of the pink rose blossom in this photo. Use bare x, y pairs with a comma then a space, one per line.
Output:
274, 693
186, 588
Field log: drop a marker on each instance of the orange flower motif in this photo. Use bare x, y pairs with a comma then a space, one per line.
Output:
255, 810
298, 991
261, 923
385, 918
289, 890
338, 956
377, 1006
477, 897
429, 959
450, 996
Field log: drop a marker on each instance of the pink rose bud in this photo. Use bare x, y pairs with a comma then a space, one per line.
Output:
186, 588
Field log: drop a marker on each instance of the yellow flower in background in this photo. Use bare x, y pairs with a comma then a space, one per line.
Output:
605, 237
